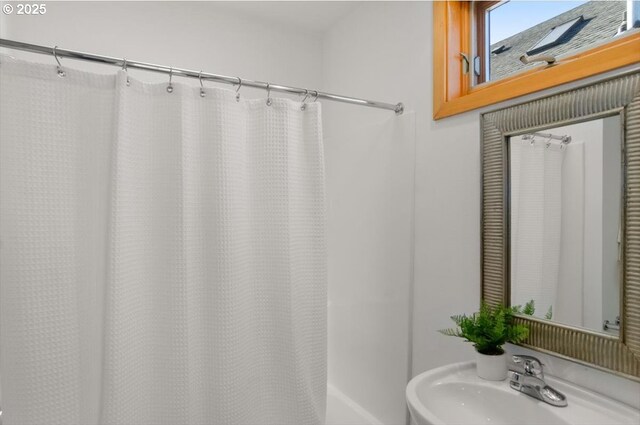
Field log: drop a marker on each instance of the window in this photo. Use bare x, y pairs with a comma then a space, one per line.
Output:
556, 35
479, 47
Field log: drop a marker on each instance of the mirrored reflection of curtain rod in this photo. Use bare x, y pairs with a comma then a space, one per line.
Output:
564, 139
57, 52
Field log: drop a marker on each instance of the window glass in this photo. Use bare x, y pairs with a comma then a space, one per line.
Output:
516, 28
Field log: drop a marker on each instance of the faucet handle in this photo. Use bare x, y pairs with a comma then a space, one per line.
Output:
529, 365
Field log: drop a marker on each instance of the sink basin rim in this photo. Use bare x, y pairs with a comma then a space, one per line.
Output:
584, 400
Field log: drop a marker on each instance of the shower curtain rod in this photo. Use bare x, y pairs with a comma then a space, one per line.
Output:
74, 54
564, 139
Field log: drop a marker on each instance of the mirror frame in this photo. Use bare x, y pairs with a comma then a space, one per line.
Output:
619, 95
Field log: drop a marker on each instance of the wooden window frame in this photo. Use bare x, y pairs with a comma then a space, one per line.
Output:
480, 9
453, 94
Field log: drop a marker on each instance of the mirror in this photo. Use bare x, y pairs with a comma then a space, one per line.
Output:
561, 220
565, 196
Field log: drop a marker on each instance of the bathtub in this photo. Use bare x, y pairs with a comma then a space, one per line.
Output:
341, 410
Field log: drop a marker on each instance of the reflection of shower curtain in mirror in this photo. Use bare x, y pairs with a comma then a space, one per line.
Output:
536, 216
569, 308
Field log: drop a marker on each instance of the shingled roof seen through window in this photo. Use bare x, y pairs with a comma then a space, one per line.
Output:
590, 23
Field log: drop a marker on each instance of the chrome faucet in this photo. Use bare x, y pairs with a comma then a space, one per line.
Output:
527, 376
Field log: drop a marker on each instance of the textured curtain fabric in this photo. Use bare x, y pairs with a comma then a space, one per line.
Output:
163, 255
536, 219
570, 306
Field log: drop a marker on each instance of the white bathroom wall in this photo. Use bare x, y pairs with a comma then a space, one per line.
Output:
370, 171
211, 36
383, 51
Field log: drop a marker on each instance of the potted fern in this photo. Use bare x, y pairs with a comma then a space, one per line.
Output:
488, 330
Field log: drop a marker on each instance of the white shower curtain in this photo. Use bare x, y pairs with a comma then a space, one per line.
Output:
162, 254
536, 219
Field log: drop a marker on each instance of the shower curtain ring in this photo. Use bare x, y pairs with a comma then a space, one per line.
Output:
170, 87
124, 68
269, 102
316, 95
61, 72
202, 92
238, 89
304, 105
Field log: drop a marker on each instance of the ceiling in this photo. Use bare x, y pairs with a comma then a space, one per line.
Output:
315, 16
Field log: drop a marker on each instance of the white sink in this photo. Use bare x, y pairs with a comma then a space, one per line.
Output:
454, 394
